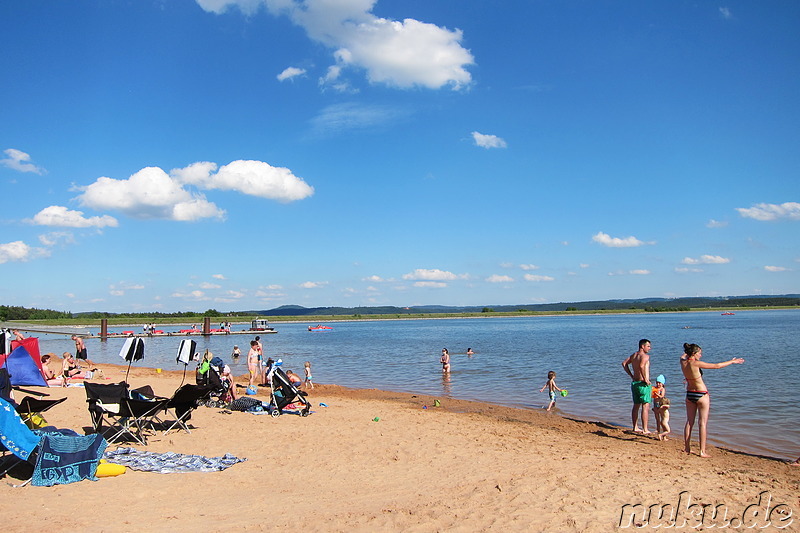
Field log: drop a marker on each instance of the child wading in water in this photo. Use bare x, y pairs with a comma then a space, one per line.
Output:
308, 382
551, 388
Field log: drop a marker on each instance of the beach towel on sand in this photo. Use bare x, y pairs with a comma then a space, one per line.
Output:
66, 457
169, 462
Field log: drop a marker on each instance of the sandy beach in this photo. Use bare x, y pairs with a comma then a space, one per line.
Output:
380, 461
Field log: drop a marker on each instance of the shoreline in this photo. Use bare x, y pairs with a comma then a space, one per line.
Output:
377, 460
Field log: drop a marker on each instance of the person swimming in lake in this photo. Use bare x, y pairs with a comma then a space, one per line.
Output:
445, 360
698, 400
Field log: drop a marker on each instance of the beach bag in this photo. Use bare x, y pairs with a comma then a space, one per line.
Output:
251, 390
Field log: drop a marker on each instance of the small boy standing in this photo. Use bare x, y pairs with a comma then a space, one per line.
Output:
551, 388
664, 430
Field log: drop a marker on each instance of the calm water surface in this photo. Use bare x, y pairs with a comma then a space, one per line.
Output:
753, 405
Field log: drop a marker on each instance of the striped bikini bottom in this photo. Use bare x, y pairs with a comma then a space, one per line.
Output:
695, 395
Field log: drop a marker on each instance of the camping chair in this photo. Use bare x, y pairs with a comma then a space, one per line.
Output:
185, 400
58, 457
111, 404
30, 408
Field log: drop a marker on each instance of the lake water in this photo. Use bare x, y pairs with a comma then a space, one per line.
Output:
754, 408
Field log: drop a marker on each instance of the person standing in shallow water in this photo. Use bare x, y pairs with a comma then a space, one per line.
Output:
698, 400
445, 360
637, 366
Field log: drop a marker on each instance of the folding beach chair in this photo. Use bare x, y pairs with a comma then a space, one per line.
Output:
125, 416
30, 408
185, 400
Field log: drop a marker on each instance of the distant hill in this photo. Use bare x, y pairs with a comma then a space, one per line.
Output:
654, 304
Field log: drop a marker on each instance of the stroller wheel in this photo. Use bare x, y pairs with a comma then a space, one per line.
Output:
211, 403
303, 413
276, 413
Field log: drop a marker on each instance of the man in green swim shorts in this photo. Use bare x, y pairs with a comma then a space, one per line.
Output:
637, 366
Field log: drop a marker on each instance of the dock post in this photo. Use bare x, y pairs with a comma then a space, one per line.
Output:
103, 329
207, 325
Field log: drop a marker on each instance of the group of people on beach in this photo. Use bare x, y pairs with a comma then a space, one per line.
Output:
698, 399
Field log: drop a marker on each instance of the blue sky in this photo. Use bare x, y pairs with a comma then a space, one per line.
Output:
246, 154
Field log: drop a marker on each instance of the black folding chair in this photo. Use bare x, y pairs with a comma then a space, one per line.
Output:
185, 400
111, 404
30, 407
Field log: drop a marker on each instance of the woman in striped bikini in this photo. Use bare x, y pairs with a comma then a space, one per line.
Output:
698, 401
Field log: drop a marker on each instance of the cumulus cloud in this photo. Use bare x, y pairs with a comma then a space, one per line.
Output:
537, 278
766, 212
196, 295
57, 215
218, 276
775, 269
55, 237
706, 260
403, 54
683, 270
529, 267
149, 193
152, 193
254, 178
488, 141
497, 278
15, 251
312, 284
434, 274
617, 242
291, 72
20, 161
716, 224
725, 13
639, 272
207, 286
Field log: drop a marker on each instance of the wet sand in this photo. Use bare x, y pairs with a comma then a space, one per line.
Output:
463, 466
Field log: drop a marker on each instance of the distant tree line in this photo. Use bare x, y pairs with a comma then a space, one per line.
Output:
8, 312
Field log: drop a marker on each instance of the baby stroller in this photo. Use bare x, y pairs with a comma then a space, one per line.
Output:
220, 390
283, 393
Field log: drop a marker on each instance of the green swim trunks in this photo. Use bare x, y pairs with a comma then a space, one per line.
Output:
641, 391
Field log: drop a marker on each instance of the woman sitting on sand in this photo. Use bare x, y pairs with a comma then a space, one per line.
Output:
70, 368
48, 374
698, 400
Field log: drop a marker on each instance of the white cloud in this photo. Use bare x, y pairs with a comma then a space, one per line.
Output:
706, 260
432, 275
775, 269
55, 237
20, 161
15, 251
765, 212
639, 272
430, 284
686, 269
537, 277
218, 276
193, 295
496, 278
584, 265
254, 178
149, 193
312, 284
374, 279
207, 286
401, 54
529, 267
57, 215
716, 224
617, 242
291, 72
488, 141
726, 13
